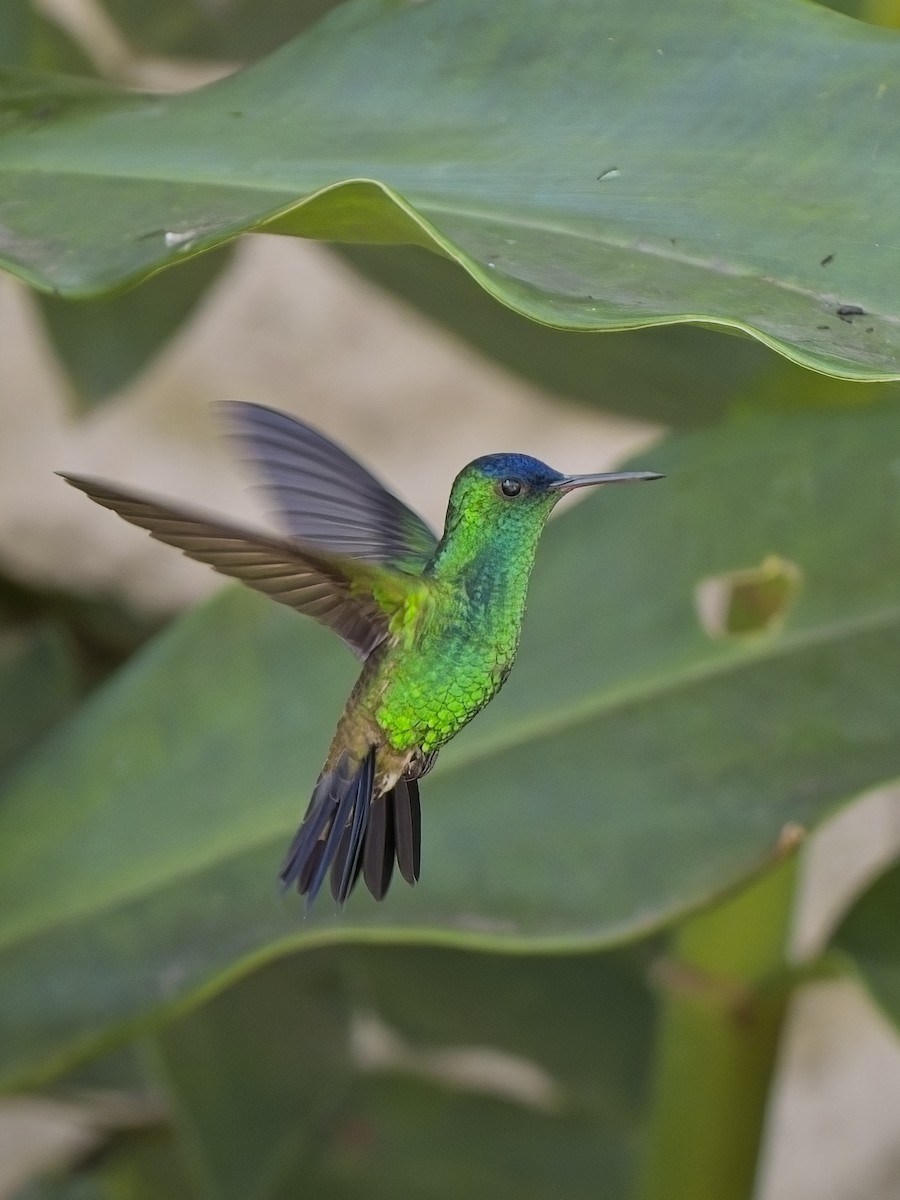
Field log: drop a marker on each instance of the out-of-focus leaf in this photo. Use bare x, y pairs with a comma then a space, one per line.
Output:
134, 1153
16, 29
594, 167
40, 682
255, 1074
104, 342
238, 30
401, 1139
28, 39
102, 630
870, 936
681, 376
634, 768
148, 1165
265, 1095
586, 1020
876, 12
51, 49
271, 1097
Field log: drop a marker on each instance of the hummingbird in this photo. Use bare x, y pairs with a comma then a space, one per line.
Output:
435, 621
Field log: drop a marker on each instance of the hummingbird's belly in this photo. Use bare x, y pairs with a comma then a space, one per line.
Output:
426, 703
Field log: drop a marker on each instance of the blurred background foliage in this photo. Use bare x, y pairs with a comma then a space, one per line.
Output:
547, 1013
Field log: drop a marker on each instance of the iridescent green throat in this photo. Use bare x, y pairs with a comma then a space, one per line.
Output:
463, 652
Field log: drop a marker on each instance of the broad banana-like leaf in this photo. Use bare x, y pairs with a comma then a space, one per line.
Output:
594, 166
707, 669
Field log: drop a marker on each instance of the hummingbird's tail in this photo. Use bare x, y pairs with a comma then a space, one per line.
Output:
351, 831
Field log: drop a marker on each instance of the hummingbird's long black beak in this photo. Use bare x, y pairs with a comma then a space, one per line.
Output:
570, 482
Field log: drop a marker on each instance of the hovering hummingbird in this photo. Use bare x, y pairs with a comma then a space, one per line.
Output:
435, 621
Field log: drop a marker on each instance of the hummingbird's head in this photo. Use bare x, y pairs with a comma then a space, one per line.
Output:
516, 489
520, 480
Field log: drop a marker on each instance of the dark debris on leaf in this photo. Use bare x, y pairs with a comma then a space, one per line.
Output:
847, 311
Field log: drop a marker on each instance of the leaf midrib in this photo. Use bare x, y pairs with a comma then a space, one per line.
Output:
520, 733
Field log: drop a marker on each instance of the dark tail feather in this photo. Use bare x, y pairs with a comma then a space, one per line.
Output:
299, 860
340, 802
304, 879
378, 856
349, 832
407, 828
348, 860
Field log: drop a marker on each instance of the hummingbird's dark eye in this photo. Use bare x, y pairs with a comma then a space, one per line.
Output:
510, 487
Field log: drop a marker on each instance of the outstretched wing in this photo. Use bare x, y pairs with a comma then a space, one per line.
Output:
357, 600
324, 496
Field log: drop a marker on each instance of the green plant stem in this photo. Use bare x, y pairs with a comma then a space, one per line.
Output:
718, 1039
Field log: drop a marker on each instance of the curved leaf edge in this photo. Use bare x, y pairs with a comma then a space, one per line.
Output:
635, 692
415, 229
42, 1073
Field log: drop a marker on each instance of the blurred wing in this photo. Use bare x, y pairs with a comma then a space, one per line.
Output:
324, 496
338, 592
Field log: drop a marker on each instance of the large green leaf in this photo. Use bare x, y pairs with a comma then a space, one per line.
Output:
599, 166
254, 1076
870, 936
269, 1102
103, 343
585, 1019
634, 767
272, 1096
406, 1140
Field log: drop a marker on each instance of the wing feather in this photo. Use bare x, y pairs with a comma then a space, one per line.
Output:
337, 591
326, 498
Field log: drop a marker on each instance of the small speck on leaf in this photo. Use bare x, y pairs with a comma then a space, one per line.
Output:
870, 329
826, 260
823, 327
